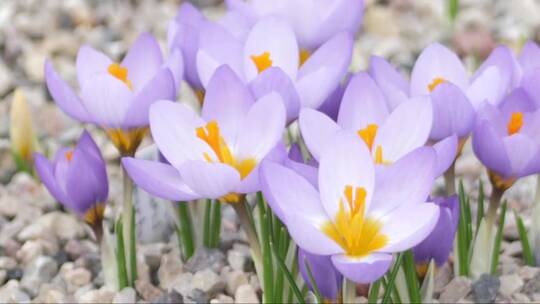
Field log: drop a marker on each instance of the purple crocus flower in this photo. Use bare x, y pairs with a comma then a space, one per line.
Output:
269, 59
117, 96
356, 217
506, 138
438, 245
85, 194
325, 275
388, 135
216, 155
314, 22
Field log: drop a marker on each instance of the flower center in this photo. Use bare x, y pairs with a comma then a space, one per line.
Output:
435, 83
357, 235
515, 123
303, 56
212, 136
94, 215
120, 73
262, 61
69, 155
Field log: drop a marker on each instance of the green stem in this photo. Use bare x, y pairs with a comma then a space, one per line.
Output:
450, 180
216, 224
494, 202
349, 291
207, 226
412, 279
185, 230
249, 228
120, 257
128, 228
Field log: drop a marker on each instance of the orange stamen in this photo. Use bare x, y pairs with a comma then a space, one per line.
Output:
368, 134
435, 83
69, 155
515, 123
262, 61
119, 72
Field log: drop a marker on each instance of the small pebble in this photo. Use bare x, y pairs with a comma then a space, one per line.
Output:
245, 294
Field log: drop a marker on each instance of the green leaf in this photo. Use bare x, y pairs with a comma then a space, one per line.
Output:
133, 248
526, 247
266, 228
409, 267
215, 224
185, 230
462, 237
453, 9
374, 291
120, 256
428, 284
391, 279
313, 283
288, 276
480, 205
498, 239
207, 223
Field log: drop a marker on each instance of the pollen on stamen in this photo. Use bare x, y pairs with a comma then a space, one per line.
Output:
435, 83
120, 73
368, 134
262, 61
69, 155
515, 123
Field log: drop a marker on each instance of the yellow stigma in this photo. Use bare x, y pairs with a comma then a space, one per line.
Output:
69, 155
262, 61
119, 72
94, 215
435, 83
303, 56
356, 234
515, 123
211, 134
368, 134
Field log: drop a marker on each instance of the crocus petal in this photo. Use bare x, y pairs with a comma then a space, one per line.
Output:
175, 63
64, 96
530, 85
520, 150
45, 171
227, 101
446, 151
363, 269
288, 193
308, 172
406, 129
452, 112
173, 129
363, 103
162, 86
486, 88
324, 70
209, 180
262, 128
274, 36
107, 99
217, 47
143, 60
529, 59
275, 80
331, 105
408, 225
437, 61
417, 168
317, 130
307, 234
490, 149
391, 82
95, 159
346, 161
90, 62
325, 275
158, 179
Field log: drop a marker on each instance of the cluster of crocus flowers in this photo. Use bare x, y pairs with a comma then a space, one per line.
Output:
356, 216
85, 194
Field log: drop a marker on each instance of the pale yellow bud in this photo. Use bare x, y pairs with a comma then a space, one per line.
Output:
21, 132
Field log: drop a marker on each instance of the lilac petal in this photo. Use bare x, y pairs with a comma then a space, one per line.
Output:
317, 129
437, 61
175, 63
408, 225
331, 105
446, 151
64, 96
487, 88
308, 172
227, 101
217, 47
387, 76
162, 86
158, 179
209, 180
90, 62
306, 232
452, 113
107, 99
295, 154
438, 245
363, 103
173, 128
530, 85
274, 36
237, 24
529, 59
85, 190
503, 59
517, 101
325, 275
288, 193
346, 161
143, 60
262, 128
363, 270
490, 149
406, 129
324, 70
97, 163
417, 168
275, 80
45, 171
520, 150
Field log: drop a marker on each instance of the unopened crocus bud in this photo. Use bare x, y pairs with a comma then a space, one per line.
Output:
21, 132
77, 178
